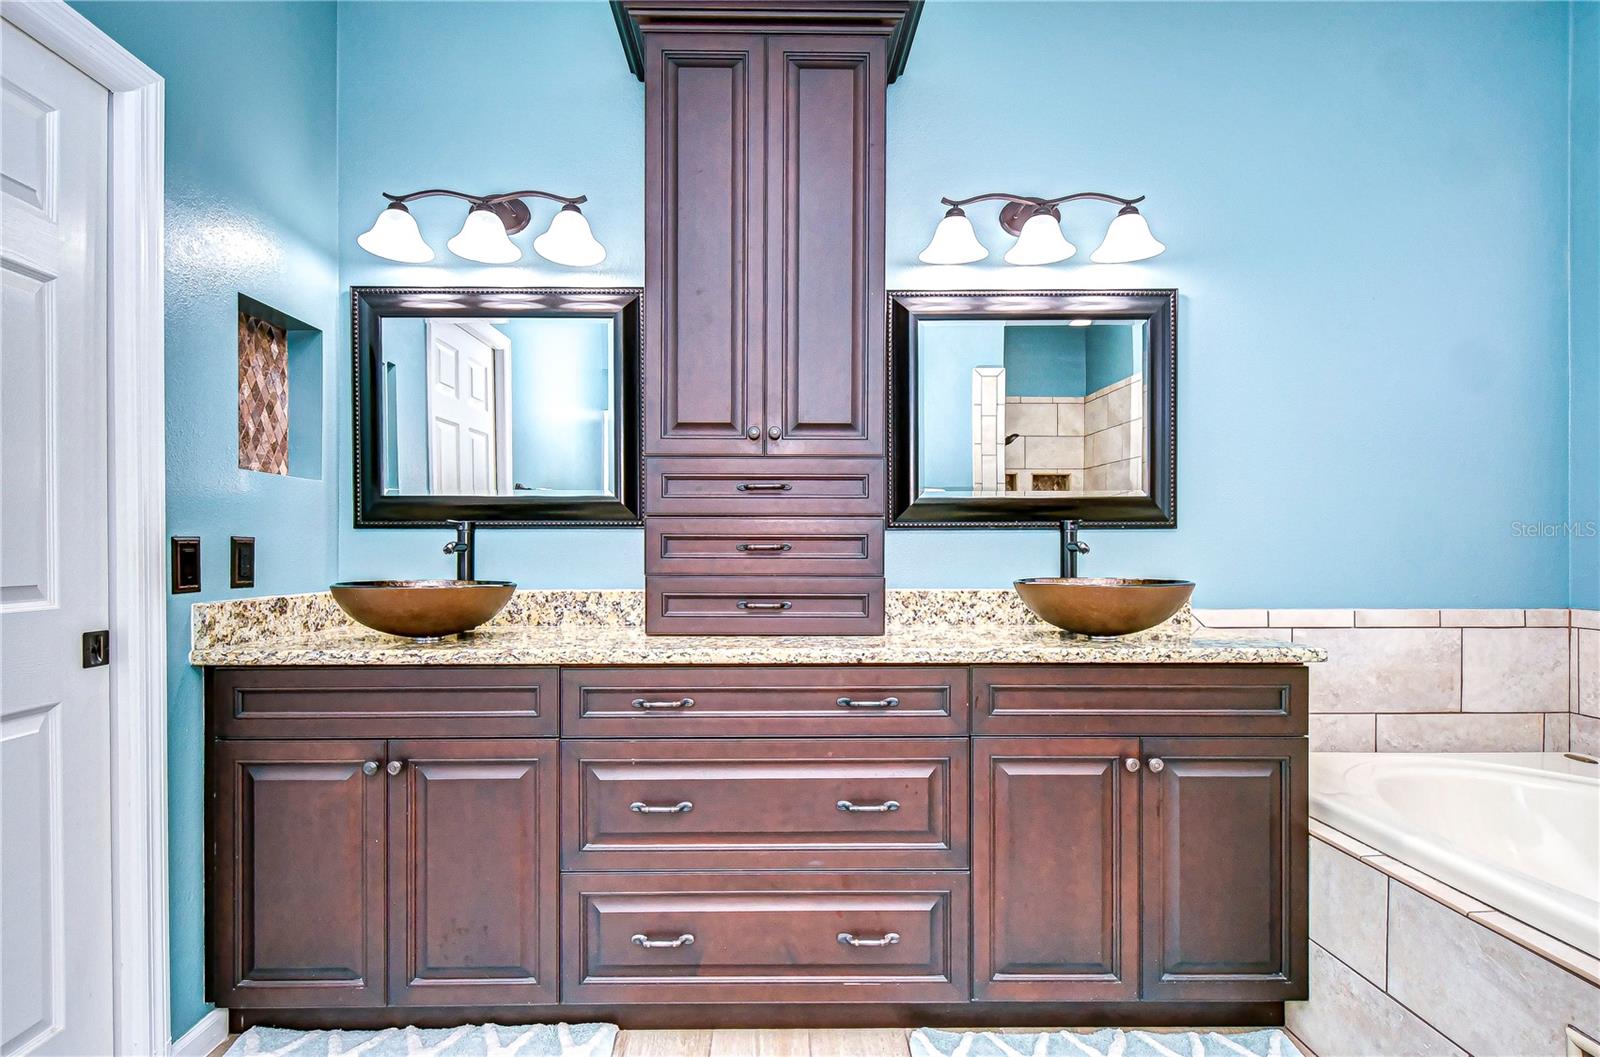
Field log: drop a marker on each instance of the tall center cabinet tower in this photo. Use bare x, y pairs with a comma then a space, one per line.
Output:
764, 406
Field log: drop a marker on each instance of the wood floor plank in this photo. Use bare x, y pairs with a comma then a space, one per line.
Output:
666, 1042
760, 1042
859, 1042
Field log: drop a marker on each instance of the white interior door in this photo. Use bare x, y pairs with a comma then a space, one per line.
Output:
55, 723
463, 441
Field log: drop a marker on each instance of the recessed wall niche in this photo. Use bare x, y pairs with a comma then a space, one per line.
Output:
280, 392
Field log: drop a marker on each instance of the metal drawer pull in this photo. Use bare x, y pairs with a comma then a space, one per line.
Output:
682, 702
641, 940
889, 940
764, 547
1131, 763
395, 766
764, 486
763, 605
682, 807
370, 767
1157, 766
863, 809
850, 702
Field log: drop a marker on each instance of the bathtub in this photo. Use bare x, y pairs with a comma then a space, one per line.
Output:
1518, 831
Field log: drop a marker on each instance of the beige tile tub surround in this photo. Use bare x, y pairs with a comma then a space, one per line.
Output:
1442, 680
1404, 964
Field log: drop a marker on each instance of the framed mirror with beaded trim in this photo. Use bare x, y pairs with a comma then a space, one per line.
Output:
1022, 408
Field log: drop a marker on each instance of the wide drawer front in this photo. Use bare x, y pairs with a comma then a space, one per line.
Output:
763, 605
1216, 699
764, 937
764, 546
741, 701
756, 486
772, 805
383, 702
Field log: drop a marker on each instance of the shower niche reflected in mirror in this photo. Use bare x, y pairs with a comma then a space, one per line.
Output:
1030, 407
511, 406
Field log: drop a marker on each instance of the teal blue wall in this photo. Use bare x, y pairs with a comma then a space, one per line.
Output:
1045, 361
951, 348
1351, 193
1583, 471
1110, 355
250, 209
561, 389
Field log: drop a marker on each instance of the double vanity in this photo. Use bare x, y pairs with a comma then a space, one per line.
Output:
970, 819
765, 790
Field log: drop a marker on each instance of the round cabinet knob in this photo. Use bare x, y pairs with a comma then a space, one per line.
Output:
370, 767
394, 766
754, 432
1157, 766
1131, 764
774, 432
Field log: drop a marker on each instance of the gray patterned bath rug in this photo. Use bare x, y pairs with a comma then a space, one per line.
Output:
1107, 1042
470, 1040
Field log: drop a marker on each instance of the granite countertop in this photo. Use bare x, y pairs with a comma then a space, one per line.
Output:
605, 628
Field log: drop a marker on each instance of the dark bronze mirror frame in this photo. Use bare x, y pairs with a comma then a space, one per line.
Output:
1157, 509
374, 509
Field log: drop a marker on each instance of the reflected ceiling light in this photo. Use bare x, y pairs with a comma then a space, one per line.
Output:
1128, 239
394, 235
954, 241
1036, 222
485, 237
569, 241
1080, 322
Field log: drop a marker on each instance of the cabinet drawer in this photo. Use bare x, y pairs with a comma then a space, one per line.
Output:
764, 937
673, 702
756, 486
1097, 699
764, 546
382, 702
784, 805
763, 605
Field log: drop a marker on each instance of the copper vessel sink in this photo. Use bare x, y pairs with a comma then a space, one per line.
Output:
425, 610
1103, 606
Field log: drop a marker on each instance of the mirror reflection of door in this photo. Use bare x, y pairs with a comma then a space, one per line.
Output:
469, 396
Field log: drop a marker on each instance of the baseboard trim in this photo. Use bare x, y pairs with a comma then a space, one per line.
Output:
204, 1037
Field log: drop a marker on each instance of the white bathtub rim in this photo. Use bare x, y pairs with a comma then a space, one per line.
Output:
1557, 912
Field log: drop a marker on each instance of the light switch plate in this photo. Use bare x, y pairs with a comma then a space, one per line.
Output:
242, 561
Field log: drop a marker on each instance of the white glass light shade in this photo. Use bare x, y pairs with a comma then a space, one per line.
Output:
1040, 242
954, 242
569, 241
483, 239
1128, 239
394, 236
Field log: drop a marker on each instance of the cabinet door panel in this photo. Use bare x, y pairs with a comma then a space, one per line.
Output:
702, 305
1224, 862
1055, 870
824, 312
472, 829
297, 890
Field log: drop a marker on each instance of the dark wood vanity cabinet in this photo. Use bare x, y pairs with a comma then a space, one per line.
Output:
845, 835
1162, 869
764, 375
355, 872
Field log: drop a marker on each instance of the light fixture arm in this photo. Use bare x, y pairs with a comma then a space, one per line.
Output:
1001, 196
509, 207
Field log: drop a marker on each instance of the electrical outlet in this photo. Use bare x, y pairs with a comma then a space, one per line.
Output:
185, 564
242, 561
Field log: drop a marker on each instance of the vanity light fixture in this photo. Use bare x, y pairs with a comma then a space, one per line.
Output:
485, 237
1036, 223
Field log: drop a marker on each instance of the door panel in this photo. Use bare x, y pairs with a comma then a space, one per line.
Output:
297, 894
55, 715
473, 875
1224, 869
1055, 870
703, 243
463, 429
824, 324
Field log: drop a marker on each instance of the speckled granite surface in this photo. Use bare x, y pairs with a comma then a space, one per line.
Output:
606, 627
